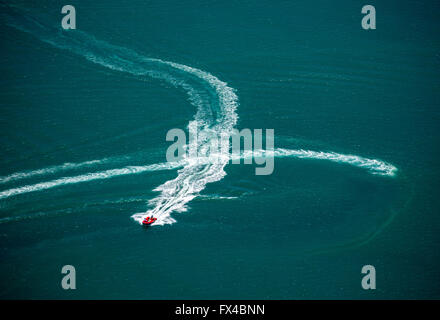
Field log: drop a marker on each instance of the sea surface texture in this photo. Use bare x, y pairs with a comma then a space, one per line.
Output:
84, 116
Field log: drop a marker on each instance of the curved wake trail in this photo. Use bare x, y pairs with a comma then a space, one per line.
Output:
374, 166
215, 118
111, 173
215, 102
50, 170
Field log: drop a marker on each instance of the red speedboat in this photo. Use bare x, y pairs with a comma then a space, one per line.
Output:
148, 221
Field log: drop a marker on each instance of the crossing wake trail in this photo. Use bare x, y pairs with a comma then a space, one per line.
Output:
215, 103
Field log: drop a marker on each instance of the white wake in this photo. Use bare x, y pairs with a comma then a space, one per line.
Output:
215, 101
50, 170
216, 117
374, 166
111, 173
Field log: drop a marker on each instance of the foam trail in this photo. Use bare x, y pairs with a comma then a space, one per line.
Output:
50, 170
375, 166
111, 173
215, 101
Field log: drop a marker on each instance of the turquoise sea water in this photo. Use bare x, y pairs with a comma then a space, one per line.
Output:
84, 114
